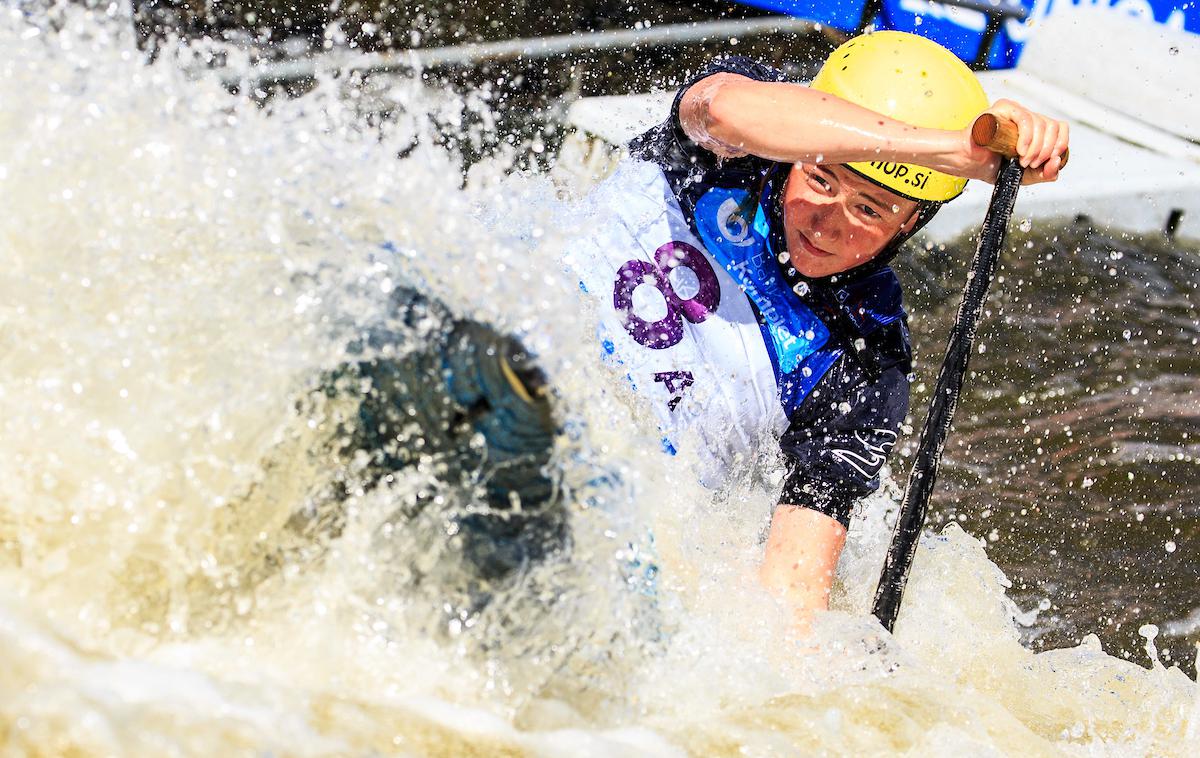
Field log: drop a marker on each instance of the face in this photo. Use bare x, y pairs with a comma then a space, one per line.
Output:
836, 220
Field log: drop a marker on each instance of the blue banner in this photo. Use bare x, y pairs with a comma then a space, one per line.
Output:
962, 30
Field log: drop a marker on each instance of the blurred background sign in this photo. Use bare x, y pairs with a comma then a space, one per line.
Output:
988, 34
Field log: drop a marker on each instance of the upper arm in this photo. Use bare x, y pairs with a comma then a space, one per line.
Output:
670, 141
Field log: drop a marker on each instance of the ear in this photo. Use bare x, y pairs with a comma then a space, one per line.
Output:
908, 225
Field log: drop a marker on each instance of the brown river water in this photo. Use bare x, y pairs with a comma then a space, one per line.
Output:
1074, 447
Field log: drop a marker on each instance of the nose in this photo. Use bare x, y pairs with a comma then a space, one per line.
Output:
825, 223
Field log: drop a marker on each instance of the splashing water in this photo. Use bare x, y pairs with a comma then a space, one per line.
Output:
182, 270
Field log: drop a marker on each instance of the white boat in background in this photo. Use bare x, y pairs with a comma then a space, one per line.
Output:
1127, 87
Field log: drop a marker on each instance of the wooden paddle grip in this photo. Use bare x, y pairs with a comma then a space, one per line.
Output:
999, 135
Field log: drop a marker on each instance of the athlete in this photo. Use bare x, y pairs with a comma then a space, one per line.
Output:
745, 281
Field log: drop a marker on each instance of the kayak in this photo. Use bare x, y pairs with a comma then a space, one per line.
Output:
443, 429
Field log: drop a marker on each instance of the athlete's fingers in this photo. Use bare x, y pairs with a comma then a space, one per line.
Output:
1047, 172
1024, 131
1052, 167
1064, 139
1059, 142
1048, 141
1034, 144
1049, 169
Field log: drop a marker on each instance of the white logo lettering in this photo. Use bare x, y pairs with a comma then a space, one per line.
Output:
868, 460
733, 226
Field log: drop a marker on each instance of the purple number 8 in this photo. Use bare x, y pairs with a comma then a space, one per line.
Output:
668, 330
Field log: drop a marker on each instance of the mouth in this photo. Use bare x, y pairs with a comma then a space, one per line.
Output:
807, 246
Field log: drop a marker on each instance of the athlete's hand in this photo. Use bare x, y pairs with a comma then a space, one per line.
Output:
1041, 143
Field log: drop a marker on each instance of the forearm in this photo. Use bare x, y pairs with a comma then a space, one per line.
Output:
802, 551
792, 123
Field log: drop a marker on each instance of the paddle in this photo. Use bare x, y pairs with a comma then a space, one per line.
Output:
998, 135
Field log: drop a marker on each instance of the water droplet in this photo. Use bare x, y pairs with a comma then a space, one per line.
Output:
1170, 546
1173, 50
801, 288
1026, 224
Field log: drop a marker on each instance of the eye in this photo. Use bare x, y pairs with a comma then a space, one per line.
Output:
820, 181
869, 212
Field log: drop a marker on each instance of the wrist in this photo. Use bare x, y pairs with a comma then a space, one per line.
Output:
956, 154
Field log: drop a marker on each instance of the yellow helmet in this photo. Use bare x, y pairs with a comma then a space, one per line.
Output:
910, 79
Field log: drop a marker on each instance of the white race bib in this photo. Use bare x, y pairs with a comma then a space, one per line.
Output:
676, 322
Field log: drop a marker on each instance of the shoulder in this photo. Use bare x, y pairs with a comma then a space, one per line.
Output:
738, 64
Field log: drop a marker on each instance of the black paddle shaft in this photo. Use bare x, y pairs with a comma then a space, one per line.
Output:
945, 394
